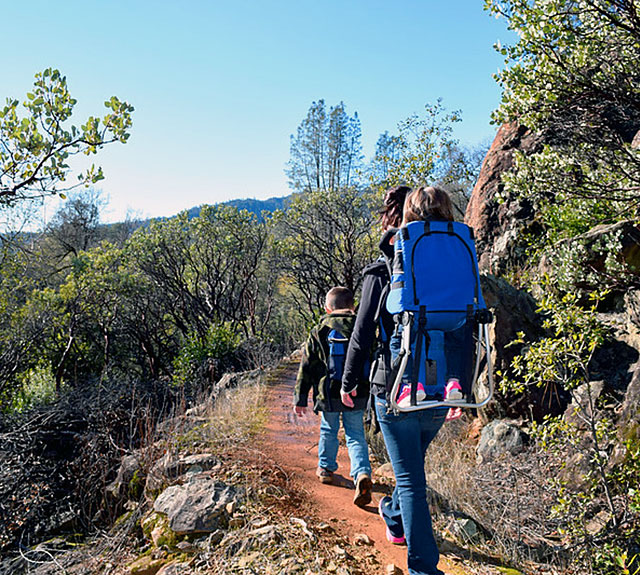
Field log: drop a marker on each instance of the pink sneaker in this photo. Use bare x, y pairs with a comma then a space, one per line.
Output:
453, 413
404, 396
453, 390
391, 538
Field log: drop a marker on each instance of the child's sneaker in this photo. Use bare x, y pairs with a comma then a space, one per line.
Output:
324, 475
453, 390
404, 397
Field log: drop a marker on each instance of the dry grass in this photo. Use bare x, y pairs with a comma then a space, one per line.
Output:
272, 530
509, 498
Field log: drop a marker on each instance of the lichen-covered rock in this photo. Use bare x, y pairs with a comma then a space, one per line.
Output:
499, 438
129, 466
198, 506
147, 565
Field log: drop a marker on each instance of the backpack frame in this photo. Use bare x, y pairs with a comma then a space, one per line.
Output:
426, 309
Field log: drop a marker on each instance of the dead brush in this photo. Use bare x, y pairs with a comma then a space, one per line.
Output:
235, 417
508, 498
448, 465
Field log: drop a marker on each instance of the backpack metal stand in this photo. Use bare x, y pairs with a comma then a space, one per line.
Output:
398, 371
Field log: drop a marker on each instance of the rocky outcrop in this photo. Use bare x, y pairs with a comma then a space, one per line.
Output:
514, 311
169, 468
497, 225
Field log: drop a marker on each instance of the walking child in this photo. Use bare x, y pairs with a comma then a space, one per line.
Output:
321, 371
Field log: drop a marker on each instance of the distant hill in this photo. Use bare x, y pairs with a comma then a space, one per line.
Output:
251, 205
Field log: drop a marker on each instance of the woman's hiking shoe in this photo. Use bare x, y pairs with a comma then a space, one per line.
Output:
404, 397
324, 475
390, 536
363, 490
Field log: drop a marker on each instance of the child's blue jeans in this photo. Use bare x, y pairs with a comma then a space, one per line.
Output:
353, 422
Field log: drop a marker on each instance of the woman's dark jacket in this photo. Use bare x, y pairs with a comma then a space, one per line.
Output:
365, 336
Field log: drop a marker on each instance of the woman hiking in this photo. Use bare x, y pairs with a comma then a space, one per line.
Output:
406, 435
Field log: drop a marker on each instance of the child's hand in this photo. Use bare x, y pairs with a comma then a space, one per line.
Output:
299, 410
346, 397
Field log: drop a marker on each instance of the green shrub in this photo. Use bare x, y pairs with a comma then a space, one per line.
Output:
204, 360
38, 388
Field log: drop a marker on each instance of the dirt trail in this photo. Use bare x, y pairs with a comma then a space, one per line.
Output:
292, 442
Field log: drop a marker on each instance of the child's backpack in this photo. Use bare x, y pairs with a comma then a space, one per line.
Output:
337, 352
436, 300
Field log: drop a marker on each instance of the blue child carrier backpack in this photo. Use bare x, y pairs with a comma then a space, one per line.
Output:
435, 297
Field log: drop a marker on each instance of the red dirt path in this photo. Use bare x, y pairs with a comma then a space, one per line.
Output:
292, 443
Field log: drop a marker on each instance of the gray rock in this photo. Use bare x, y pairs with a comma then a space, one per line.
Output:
499, 438
214, 539
196, 507
264, 535
128, 467
170, 468
467, 530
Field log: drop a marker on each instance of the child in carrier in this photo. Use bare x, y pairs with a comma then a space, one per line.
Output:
321, 370
455, 342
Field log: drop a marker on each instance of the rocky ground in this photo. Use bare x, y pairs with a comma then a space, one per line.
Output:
231, 489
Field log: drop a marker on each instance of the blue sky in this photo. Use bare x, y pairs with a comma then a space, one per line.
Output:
219, 87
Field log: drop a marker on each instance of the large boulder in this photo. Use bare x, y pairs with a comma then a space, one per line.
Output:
514, 311
497, 225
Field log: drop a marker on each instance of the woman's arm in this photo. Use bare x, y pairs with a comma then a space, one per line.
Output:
363, 332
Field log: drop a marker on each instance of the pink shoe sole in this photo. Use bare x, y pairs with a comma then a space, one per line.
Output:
395, 540
391, 538
404, 397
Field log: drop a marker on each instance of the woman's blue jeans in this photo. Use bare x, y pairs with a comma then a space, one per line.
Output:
407, 436
353, 422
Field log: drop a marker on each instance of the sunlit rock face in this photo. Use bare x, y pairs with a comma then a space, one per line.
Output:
497, 225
